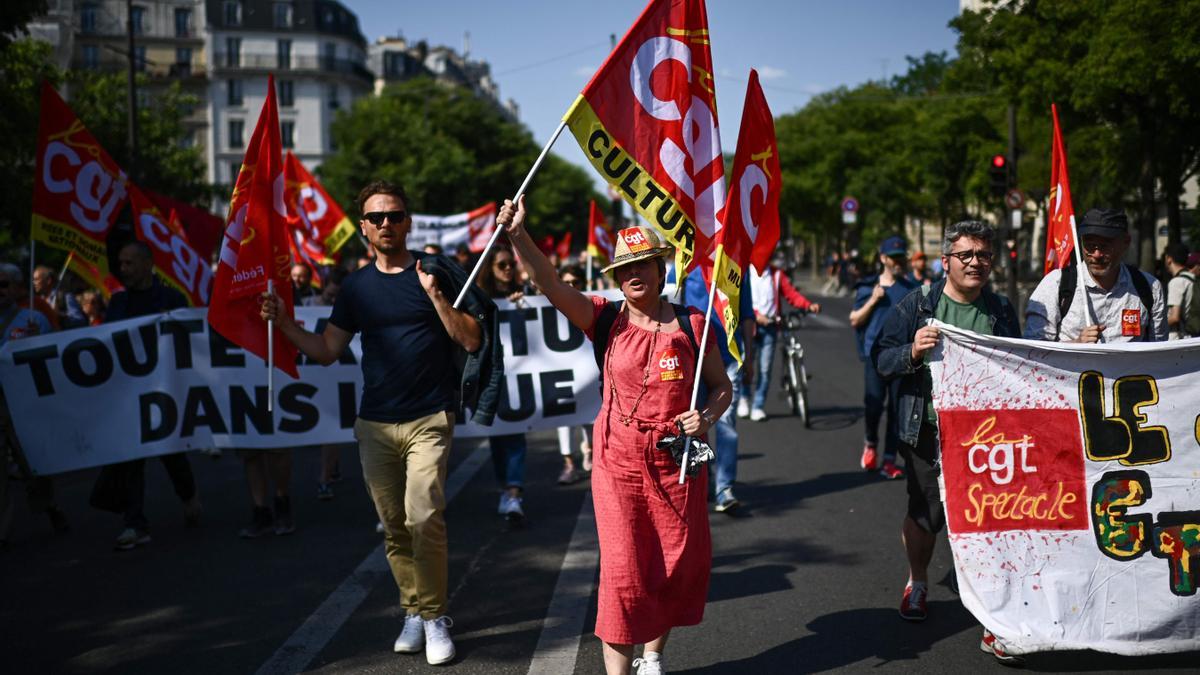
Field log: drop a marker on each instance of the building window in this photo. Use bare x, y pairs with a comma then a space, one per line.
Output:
287, 134
91, 56
283, 53
87, 18
233, 51
235, 133
139, 18
329, 55
233, 13
188, 141
234, 91
332, 95
283, 15
183, 61
287, 93
183, 22
139, 58
234, 170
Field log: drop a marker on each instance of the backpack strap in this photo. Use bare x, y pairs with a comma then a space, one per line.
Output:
608, 316
1069, 280
1066, 289
604, 324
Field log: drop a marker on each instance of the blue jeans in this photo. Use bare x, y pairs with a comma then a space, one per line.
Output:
508, 459
879, 396
764, 355
727, 437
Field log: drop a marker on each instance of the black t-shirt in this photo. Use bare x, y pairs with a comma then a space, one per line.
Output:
158, 298
408, 358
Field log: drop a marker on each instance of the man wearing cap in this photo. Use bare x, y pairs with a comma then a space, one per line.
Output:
874, 296
1180, 288
1122, 303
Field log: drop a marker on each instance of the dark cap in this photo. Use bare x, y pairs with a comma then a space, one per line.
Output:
1108, 223
894, 246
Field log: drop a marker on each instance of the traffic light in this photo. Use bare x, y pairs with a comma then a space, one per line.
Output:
998, 175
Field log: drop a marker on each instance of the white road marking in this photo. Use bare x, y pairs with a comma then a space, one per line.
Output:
825, 321
558, 644
319, 628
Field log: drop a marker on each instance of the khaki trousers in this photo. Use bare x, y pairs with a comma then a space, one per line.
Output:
404, 465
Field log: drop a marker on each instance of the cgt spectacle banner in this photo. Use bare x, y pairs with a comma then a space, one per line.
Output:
1071, 481
167, 383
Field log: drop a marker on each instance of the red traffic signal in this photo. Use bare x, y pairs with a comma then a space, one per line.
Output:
999, 161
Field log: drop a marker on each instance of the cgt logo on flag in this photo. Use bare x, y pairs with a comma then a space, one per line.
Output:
1015, 470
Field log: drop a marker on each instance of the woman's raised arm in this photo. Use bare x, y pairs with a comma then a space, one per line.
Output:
574, 305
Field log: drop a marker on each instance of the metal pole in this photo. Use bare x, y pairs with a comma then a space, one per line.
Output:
712, 292
132, 102
520, 191
270, 353
1012, 182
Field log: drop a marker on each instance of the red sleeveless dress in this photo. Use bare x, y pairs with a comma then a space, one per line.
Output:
655, 546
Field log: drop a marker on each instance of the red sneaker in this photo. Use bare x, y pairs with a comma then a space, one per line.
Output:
890, 471
913, 607
990, 645
869, 457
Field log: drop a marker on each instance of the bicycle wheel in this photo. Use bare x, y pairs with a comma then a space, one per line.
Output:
802, 394
793, 385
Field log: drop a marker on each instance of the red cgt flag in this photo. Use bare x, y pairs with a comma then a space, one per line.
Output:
647, 121
600, 236
1060, 235
318, 225
751, 216
255, 246
175, 260
78, 190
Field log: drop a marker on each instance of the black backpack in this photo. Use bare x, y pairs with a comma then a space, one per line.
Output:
608, 316
1069, 281
1191, 320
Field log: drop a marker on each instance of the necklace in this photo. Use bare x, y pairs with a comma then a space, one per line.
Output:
627, 418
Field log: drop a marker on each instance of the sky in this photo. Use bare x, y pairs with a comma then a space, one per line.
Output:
543, 52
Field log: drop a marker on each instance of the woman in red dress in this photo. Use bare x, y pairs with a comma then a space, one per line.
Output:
655, 548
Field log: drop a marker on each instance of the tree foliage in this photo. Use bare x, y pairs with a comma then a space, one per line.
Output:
452, 152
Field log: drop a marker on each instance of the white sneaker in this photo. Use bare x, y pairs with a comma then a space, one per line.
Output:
412, 638
743, 409
510, 507
758, 415
645, 667
439, 648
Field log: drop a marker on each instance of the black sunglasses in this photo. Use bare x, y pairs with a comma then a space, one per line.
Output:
376, 218
504, 264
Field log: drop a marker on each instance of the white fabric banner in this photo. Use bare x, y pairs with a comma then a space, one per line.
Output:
166, 383
1071, 480
472, 228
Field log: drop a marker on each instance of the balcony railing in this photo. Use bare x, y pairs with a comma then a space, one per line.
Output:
180, 70
273, 62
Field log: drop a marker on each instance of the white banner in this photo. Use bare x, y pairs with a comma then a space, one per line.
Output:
166, 383
472, 228
1071, 480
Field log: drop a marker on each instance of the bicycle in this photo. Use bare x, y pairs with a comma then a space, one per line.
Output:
795, 375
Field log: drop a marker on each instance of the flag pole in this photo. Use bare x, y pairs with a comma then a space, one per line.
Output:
1076, 244
589, 270
270, 353
496, 234
62, 275
31, 266
712, 292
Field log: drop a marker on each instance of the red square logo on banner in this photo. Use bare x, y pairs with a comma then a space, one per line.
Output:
1013, 470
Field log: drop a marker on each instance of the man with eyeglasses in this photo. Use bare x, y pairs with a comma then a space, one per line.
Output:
960, 299
413, 344
1122, 303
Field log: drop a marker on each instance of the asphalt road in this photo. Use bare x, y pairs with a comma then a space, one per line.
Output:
807, 576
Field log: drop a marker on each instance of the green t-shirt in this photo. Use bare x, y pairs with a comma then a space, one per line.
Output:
967, 316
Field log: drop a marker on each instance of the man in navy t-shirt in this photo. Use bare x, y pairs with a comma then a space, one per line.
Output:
410, 333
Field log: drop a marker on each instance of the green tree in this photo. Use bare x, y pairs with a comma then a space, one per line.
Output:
1126, 89
452, 152
23, 66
